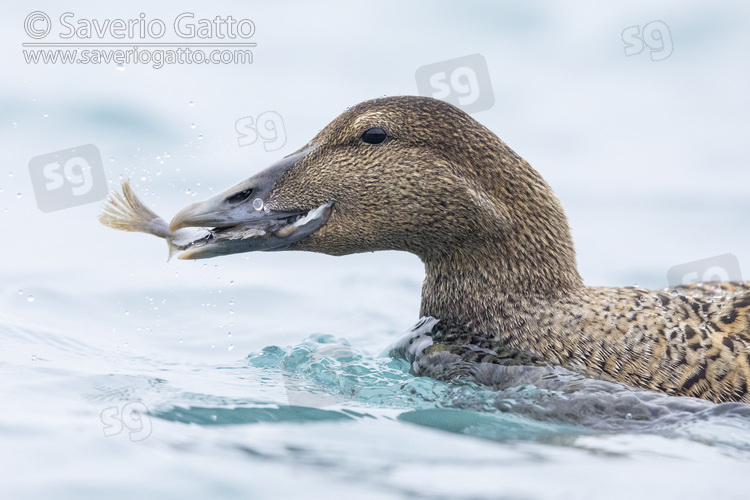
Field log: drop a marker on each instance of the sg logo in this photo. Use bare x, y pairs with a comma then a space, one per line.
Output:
134, 416
463, 82
655, 36
68, 178
269, 126
721, 268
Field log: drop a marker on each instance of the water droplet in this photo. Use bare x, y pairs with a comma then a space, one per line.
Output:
192, 103
231, 282
231, 346
127, 313
30, 298
180, 341
229, 335
629, 417
33, 358
200, 136
213, 417
267, 209
120, 67
10, 174
15, 125
213, 346
111, 158
231, 302
20, 292
45, 115
192, 125
19, 195
258, 204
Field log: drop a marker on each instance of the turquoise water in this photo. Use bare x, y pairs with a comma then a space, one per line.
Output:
185, 411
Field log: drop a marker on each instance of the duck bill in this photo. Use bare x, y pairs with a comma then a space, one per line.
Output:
239, 220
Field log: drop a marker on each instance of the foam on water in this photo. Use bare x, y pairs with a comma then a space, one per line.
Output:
575, 406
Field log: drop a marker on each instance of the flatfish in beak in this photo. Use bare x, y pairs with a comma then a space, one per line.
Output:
128, 213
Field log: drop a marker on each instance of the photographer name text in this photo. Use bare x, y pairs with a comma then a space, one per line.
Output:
185, 26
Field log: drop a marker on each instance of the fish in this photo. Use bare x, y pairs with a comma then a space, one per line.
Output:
126, 212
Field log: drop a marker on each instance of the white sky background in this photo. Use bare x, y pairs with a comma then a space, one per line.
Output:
650, 159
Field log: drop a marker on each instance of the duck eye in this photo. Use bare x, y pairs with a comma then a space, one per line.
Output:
240, 197
374, 136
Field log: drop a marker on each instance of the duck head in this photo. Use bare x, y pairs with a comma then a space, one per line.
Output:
397, 173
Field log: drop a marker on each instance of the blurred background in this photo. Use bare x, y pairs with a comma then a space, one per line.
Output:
636, 114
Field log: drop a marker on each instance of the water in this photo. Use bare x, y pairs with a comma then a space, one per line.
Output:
155, 404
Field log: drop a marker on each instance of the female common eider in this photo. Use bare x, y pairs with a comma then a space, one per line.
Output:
419, 175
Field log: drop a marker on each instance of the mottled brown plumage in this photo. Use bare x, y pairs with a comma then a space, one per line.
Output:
500, 265
499, 257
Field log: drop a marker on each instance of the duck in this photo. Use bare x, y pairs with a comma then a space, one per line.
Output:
501, 287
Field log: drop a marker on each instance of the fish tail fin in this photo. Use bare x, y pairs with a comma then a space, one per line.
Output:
127, 213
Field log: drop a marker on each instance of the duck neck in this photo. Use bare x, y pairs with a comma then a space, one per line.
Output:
499, 287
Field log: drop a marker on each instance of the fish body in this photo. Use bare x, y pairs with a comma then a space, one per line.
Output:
127, 212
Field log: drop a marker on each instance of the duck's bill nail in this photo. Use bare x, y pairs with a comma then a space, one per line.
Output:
240, 221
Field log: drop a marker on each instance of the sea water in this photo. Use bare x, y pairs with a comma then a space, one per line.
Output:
184, 385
